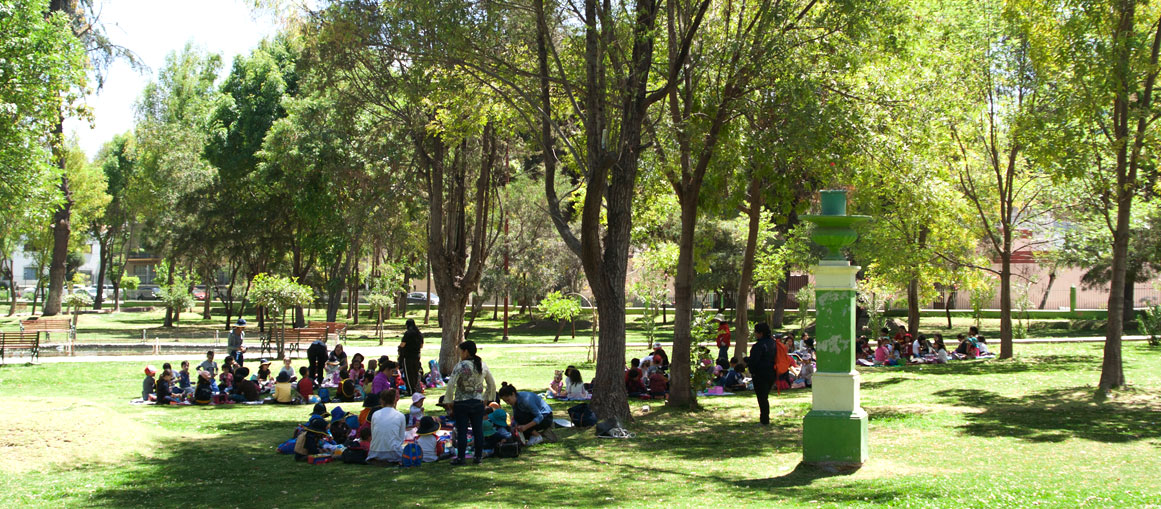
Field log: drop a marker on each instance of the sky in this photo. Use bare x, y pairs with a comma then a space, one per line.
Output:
152, 29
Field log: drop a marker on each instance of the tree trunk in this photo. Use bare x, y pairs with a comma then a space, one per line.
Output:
1129, 313
781, 300
742, 327
169, 311
427, 305
452, 313
103, 261
61, 226
680, 394
209, 284
1006, 303
1047, 289
913, 306
947, 306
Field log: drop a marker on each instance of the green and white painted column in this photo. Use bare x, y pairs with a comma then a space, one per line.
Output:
834, 432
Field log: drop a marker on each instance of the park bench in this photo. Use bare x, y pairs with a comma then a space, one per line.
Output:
51, 325
20, 340
339, 329
295, 340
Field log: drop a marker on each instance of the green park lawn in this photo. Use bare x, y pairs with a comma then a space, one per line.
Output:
1021, 432
127, 327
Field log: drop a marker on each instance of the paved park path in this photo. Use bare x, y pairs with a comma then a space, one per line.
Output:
429, 349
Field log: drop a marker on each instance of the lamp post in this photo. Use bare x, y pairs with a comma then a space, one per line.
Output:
834, 432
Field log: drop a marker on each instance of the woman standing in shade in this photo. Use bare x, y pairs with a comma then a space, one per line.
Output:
470, 386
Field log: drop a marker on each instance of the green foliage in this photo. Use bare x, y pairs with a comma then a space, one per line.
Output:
76, 300
1150, 323
42, 69
805, 298
279, 293
980, 294
560, 307
130, 282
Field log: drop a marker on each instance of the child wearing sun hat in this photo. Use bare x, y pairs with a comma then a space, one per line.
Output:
429, 442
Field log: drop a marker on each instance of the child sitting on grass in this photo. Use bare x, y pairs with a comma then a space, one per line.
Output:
209, 364
164, 388
204, 392
283, 391
305, 384
556, 386
149, 385
229, 365
183, 381
634, 385
288, 369
735, 380
576, 385
658, 385
356, 370
429, 443
415, 414
499, 431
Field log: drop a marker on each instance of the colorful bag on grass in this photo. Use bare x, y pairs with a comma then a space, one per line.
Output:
324, 395
287, 447
412, 455
319, 459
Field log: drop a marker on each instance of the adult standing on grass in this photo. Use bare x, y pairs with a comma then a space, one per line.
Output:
234, 341
470, 385
532, 415
409, 351
761, 362
316, 358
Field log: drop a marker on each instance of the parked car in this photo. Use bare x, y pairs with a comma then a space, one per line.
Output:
421, 298
199, 293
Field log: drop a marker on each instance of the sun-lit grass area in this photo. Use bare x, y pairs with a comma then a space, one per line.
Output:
127, 327
1020, 432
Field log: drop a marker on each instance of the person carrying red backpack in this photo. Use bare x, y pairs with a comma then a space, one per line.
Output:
782, 363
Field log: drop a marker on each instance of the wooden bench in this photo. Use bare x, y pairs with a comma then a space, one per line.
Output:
339, 329
295, 340
51, 325
14, 340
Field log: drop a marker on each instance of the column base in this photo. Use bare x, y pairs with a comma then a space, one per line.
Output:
835, 437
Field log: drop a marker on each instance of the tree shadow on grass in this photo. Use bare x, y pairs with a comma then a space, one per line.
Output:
1056, 415
1038, 363
877, 384
241, 468
799, 484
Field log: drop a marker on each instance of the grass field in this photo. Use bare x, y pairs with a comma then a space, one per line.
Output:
1016, 433
125, 327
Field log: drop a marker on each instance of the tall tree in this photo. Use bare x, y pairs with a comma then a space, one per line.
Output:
171, 133
41, 67
83, 19
1105, 55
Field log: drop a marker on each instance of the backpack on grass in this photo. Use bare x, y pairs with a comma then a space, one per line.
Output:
412, 455
581, 415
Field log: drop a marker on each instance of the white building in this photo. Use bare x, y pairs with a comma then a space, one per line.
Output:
25, 266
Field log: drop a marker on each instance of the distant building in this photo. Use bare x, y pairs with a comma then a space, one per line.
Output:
25, 267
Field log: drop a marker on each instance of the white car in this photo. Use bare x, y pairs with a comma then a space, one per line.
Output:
421, 298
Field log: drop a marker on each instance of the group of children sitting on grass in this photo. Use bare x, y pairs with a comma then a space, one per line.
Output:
902, 349
382, 435
209, 385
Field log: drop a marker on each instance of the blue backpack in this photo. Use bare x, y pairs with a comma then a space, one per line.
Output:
582, 416
412, 455
324, 395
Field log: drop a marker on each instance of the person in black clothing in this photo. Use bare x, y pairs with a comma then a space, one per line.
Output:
761, 364
409, 350
316, 358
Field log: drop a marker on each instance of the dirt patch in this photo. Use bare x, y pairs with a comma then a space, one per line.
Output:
62, 431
